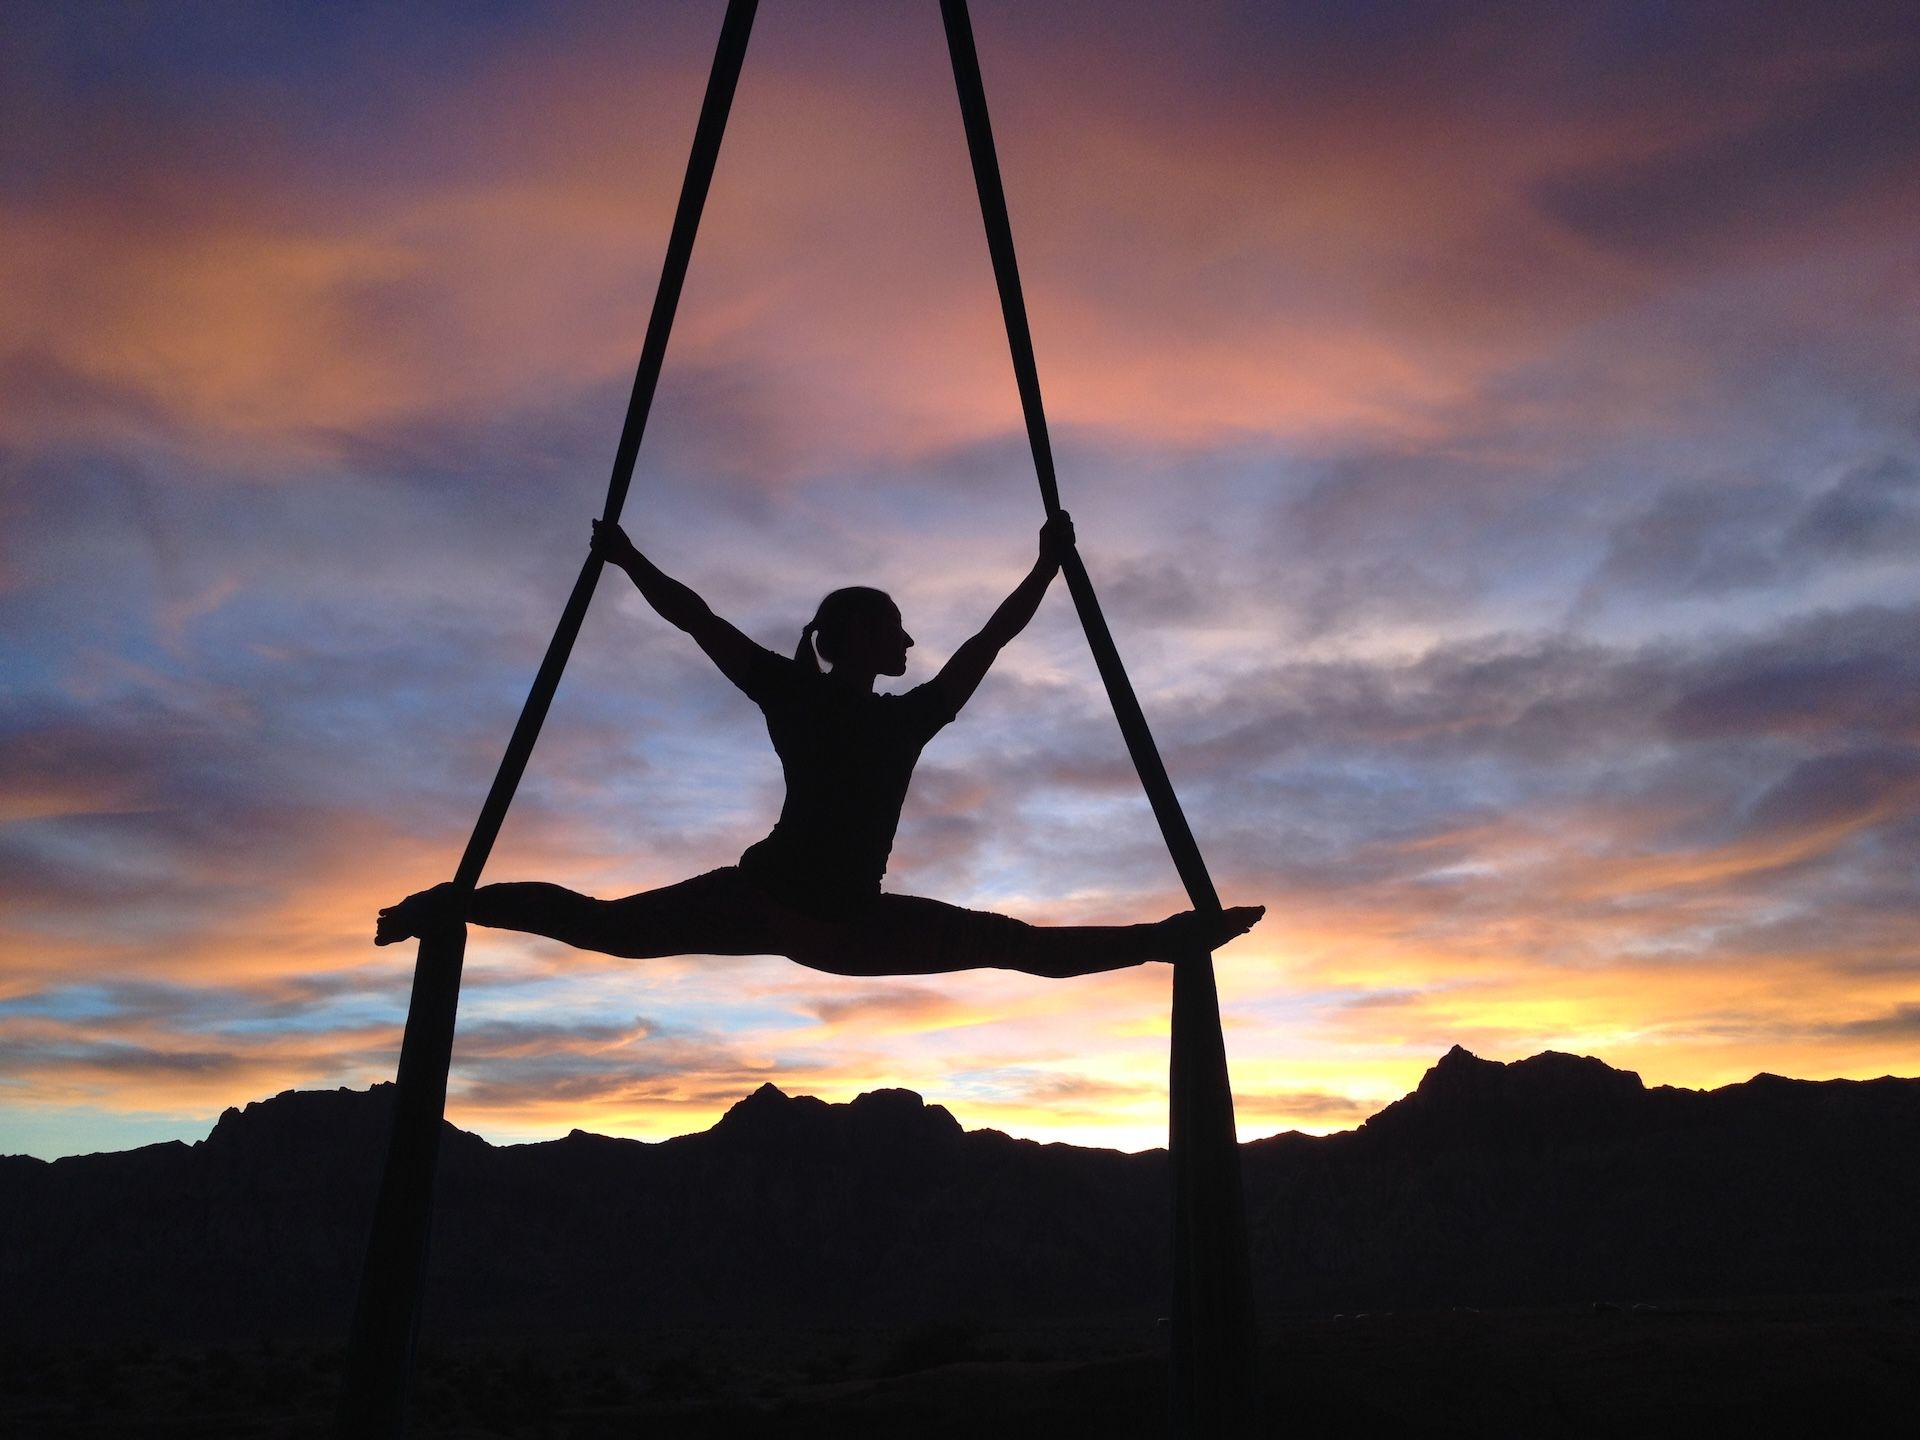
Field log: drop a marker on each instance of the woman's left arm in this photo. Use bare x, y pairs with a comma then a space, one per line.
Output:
961, 675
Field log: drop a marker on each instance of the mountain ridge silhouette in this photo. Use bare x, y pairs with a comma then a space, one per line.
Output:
1555, 1178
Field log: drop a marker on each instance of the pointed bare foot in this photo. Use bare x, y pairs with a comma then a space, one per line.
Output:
1192, 931
419, 913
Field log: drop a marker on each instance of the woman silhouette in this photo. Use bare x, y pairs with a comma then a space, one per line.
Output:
811, 889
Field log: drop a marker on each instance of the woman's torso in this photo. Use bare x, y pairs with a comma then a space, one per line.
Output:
848, 757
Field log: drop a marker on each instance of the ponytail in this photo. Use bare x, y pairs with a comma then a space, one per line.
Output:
822, 637
803, 653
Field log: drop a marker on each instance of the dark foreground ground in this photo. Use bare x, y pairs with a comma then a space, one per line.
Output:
1830, 1367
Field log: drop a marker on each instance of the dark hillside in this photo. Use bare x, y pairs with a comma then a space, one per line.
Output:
1549, 1180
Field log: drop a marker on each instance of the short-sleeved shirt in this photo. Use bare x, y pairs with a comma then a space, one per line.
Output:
848, 757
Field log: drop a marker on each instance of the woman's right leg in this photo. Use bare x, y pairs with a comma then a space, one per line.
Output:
713, 914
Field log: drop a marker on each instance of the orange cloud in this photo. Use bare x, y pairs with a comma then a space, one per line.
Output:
1192, 274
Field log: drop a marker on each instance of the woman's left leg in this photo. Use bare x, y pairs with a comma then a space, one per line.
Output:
911, 935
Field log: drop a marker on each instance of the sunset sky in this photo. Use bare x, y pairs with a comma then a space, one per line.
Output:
1494, 432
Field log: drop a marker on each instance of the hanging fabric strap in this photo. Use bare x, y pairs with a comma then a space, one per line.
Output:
1211, 1369
386, 1318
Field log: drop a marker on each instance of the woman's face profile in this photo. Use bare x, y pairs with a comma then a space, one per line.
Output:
875, 639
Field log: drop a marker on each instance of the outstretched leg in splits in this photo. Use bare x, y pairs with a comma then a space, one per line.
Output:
723, 913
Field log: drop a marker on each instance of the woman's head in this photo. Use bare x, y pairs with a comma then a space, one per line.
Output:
858, 627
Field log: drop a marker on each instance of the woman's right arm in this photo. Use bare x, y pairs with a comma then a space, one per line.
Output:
738, 658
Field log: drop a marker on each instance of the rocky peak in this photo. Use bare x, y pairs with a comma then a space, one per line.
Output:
875, 1119
303, 1119
886, 1116
1545, 1096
